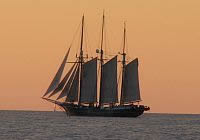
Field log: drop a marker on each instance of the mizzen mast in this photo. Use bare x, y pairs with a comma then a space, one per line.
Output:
101, 58
123, 63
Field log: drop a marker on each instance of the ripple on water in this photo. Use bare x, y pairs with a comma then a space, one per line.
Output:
27, 125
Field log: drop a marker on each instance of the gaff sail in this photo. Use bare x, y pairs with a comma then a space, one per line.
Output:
89, 82
74, 89
58, 75
63, 82
67, 87
131, 90
108, 89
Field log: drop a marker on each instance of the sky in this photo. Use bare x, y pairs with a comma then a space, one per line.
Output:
164, 35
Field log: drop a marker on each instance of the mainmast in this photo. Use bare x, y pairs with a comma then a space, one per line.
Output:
101, 57
81, 58
123, 64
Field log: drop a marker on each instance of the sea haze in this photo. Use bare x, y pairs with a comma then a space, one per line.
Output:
32, 125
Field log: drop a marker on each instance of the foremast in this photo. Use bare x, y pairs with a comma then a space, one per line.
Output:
81, 59
79, 85
88, 76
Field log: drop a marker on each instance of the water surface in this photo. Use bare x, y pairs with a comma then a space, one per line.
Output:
32, 125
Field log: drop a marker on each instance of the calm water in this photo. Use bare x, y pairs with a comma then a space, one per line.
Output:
27, 125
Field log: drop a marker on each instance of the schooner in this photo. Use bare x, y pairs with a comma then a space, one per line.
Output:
79, 89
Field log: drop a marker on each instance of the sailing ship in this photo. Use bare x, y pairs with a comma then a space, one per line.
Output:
79, 89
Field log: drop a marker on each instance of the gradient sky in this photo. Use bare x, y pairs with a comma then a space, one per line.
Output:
164, 35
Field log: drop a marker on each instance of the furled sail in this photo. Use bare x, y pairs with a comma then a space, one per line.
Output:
131, 90
58, 75
108, 89
74, 89
89, 82
67, 87
63, 82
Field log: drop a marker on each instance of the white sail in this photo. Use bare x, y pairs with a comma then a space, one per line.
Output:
67, 87
108, 89
89, 82
74, 89
131, 90
63, 82
58, 75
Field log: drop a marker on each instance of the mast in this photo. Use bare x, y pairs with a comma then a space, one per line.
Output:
123, 64
81, 58
101, 58
102, 33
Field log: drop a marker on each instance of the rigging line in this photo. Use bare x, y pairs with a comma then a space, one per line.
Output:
106, 42
76, 32
108, 31
105, 39
62, 100
77, 67
98, 41
127, 51
88, 44
111, 35
61, 85
122, 42
87, 41
79, 41
69, 83
62, 110
99, 38
78, 48
54, 107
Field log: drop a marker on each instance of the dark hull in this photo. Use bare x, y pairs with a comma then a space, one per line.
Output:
117, 111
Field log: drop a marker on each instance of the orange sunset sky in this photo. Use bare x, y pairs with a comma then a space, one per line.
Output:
163, 34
